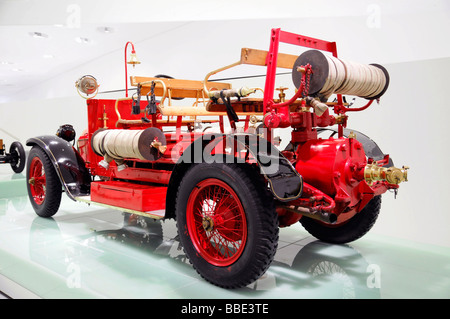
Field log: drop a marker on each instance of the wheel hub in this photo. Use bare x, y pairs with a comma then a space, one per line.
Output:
208, 223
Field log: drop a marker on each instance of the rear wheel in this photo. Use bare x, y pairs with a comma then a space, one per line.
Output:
348, 231
43, 185
227, 225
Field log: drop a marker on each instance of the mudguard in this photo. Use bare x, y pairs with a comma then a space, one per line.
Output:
285, 182
371, 148
69, 165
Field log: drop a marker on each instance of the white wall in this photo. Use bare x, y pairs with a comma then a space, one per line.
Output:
405, 36
410, 124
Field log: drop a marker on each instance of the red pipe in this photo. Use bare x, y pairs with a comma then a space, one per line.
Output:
317, 195
126, 69
280, 113
346, 109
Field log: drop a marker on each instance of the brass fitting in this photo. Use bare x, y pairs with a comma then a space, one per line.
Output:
301, 69
352, 135
393, 175
159, 146
242, 92
319, 107
254, 120
341, 118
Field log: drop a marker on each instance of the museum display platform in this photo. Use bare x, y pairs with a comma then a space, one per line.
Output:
94, 252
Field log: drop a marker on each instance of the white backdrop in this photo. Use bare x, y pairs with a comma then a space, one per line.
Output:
187, 41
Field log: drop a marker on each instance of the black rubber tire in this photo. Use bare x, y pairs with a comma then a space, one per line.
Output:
261, 218
53, 187
16, 149
349, 231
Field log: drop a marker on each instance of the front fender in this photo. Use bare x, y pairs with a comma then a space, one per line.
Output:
68, 164
370, 147
285, 182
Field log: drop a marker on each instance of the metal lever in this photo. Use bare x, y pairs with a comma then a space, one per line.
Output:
135, 106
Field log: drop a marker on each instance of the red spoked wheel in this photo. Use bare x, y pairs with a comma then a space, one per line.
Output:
216, 222
226, 223
37, 181
43, 184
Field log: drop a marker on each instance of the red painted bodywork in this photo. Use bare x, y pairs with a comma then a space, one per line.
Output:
143, 198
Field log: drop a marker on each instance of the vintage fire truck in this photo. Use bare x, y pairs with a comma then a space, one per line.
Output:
154, 154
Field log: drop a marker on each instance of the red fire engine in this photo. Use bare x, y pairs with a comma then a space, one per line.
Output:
228, 190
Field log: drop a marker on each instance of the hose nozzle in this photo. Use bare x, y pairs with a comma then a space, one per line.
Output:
393, 175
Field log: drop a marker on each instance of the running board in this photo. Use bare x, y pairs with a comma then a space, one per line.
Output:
155, 214
146, 200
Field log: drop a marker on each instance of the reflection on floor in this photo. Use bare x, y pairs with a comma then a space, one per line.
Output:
92, 252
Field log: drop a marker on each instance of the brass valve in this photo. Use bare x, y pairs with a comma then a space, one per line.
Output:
282, 95
159, 146
393, 175
341, 118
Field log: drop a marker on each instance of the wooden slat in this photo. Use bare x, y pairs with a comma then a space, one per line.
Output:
179, 88
259, 57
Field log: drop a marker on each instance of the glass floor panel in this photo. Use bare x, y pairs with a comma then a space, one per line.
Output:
93, 252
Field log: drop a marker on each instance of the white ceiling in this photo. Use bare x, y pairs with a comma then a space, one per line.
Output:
163, 29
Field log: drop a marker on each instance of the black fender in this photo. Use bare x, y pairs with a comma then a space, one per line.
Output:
371, 148
68, 164
285, 183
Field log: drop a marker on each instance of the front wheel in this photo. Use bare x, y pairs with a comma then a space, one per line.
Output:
18, 154
43, 184
227, 223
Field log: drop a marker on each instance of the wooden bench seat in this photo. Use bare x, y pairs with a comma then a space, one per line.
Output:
177, 88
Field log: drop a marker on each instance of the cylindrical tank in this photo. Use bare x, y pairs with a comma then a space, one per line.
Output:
332, 75
333, 166
120, 144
